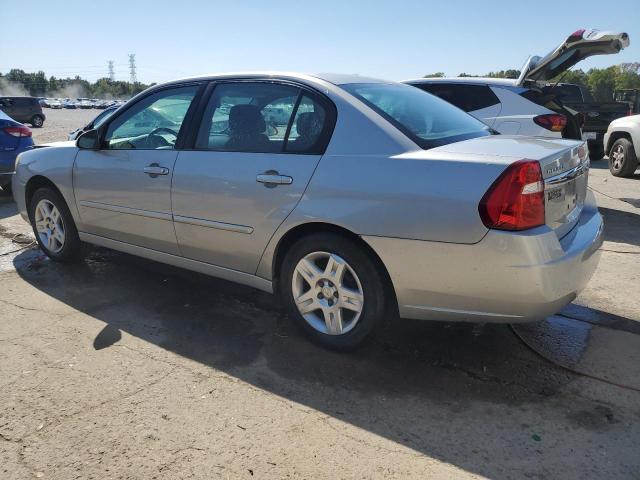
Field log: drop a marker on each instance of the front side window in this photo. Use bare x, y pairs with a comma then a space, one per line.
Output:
152, 123
426, 119
262, 117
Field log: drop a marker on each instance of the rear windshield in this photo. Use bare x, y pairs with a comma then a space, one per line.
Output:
426, 119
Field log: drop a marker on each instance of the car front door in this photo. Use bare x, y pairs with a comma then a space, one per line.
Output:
123, 190
256, 149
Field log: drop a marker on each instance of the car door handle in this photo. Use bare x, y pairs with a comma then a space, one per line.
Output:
154, 170
272, 178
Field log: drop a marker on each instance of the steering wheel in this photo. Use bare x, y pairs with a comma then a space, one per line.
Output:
157, 138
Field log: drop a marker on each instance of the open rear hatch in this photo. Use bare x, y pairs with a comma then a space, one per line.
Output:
579, 45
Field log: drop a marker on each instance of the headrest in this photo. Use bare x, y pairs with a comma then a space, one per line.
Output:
309, 124
245, 119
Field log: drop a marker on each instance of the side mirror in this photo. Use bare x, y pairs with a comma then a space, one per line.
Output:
89, 140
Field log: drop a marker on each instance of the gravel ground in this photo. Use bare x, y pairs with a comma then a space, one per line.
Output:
59, 123
122, 368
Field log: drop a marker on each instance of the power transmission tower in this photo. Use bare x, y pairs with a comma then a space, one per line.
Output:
112, 75
132, 67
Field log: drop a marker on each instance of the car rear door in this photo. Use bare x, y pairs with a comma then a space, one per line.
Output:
123, 190
256, 149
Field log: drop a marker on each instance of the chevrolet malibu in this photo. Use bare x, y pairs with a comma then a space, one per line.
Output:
355, 200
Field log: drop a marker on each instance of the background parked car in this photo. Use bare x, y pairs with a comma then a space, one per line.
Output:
630, 96
23, 109
96, 122
84, 103
526, 106
596, 115
15, 138
55, 104
622, 144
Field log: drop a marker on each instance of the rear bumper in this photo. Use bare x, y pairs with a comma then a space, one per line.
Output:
506, 277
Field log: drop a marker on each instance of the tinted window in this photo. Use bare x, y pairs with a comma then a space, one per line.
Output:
426, 119
261, 117
467, 97
568, 93
153, 122
24, 101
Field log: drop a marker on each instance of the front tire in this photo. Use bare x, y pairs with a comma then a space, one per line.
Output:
622, 158
333, 290
53, 226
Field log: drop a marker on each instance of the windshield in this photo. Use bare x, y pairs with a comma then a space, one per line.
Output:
426, 119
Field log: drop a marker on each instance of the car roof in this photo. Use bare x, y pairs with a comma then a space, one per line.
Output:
510, 82
334, 78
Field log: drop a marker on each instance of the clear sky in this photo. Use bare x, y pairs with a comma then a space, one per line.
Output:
386, 39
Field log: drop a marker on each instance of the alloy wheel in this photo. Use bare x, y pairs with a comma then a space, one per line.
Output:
617, 157
49, 226
327, 293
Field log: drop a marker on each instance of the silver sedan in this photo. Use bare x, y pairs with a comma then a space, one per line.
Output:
355, 200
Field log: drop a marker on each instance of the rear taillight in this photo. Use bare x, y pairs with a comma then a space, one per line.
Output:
577, 35
18, 131
515, 201
552, 121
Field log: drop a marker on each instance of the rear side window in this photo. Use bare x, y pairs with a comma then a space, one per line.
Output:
568, 93
466, 97
306, 134
25, 102
426, 119
263, 117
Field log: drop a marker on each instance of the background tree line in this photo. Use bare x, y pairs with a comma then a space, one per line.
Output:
19, 82
602, 82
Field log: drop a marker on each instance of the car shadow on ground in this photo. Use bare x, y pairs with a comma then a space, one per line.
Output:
8, 207
621, 226
604, 165
398, 386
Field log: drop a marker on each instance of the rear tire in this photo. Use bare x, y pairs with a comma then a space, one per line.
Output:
37, 121
596, 151
622, 158
333, 290
54, 227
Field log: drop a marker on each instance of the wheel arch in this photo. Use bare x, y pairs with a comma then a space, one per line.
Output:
311, 228
36, 182
614, 137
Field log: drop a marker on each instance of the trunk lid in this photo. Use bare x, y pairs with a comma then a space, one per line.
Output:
564, 164
578, 46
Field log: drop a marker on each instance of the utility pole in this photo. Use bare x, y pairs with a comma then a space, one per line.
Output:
132, 67
112, 75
